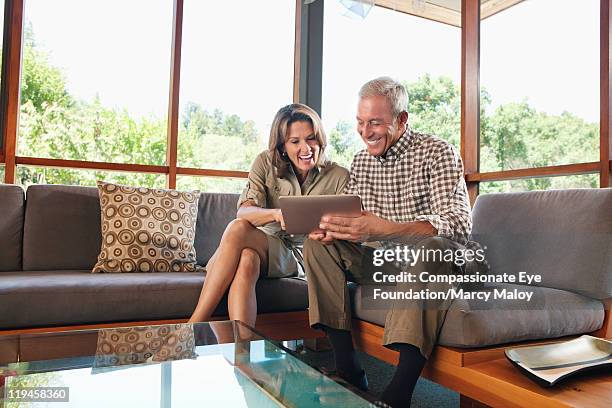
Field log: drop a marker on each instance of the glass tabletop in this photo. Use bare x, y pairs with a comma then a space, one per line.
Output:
219, 364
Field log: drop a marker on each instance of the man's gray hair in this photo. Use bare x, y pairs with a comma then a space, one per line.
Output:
389, 88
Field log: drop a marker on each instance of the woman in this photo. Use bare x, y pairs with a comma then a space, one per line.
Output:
255, 244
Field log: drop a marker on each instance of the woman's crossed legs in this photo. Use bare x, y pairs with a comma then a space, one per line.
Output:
236, 264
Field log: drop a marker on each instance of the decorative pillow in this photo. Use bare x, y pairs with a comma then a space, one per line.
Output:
146, 230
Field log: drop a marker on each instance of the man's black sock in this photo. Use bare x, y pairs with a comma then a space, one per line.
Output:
347, 364
399, 391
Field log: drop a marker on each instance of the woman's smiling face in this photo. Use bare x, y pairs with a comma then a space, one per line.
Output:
302, 147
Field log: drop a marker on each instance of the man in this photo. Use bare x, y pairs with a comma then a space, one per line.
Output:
413, 192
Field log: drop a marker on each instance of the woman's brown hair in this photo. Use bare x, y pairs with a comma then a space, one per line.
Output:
287, 115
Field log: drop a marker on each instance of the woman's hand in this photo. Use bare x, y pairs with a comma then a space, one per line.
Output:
278, 217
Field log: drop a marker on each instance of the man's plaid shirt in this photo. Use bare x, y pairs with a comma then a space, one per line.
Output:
419, 178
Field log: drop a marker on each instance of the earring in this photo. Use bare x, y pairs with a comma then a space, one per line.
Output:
284, 155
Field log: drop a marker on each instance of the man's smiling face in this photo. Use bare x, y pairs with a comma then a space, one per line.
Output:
376, 124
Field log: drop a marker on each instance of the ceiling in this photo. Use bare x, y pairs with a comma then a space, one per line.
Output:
445, 11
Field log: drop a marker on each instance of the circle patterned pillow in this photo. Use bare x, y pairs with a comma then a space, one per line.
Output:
146, 230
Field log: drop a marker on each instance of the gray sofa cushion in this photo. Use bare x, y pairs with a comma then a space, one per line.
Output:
62, 228
214, 213
12, 203
47, 298
563, 235
550, 313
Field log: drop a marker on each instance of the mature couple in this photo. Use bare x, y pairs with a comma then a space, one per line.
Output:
413, 192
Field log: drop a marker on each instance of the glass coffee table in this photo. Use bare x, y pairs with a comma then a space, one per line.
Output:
215, 364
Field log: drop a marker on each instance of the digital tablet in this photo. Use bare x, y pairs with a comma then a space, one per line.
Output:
302, 214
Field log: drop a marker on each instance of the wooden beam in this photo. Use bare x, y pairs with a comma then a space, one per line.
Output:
470, 91
425, 10
297, 51
278, 326
188, 171
549, 171
175, 88
605, 109
82, 164
11, 83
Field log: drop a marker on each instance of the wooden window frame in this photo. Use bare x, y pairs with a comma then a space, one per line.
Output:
11, 83
470, 92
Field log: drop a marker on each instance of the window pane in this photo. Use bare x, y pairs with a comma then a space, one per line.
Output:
1, 173
211, 184
27, 175
540, 85
95, 80
423, 54
236, 72
542, 183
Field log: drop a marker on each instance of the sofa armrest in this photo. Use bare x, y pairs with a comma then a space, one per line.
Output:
606, 329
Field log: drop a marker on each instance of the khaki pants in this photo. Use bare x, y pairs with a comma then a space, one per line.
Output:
416, 322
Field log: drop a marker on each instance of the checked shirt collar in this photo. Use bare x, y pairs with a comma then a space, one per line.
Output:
398, 149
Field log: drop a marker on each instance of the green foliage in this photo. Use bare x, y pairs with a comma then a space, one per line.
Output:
520, 137
42, 84
435, 107
214, 140
342, 143
540, 183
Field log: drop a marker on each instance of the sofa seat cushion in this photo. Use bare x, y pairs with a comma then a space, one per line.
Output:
54, 298
477, 323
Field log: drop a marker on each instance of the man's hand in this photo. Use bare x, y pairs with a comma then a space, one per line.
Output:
366, 227
321, 236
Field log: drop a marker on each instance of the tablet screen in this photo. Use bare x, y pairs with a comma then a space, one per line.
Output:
302, 214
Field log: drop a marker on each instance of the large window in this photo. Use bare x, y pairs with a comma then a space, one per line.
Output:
236, 72
95, 81
423, 54
540, 79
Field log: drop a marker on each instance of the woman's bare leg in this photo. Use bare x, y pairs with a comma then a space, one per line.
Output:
241, 301
238, 235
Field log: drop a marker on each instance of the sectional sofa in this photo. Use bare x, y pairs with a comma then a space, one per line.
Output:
50, 238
